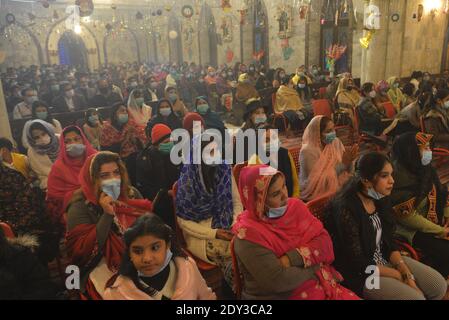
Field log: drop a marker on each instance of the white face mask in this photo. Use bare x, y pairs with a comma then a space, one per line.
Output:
427, 157
373, 94
373, 194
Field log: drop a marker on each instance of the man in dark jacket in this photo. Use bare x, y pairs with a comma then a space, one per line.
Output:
105, 97
68, 100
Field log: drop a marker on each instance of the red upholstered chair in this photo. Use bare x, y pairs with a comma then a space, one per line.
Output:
390, 110
318, 206
7, 230
322, 107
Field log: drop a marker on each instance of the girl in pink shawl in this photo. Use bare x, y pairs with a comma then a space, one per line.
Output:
283, 251
325, 164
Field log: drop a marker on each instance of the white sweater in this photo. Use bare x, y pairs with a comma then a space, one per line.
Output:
56, 126
41, 165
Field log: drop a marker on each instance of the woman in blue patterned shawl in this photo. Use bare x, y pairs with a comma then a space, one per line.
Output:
207, 204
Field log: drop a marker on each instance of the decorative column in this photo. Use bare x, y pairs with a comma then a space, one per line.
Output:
5, 129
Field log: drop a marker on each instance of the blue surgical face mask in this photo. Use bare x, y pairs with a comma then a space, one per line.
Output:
427, 157
42, 115
260, 119
167, 260
173, 97
112, 187
165, 112
330, 137
373, 194
276, 213
166, 147
140, 101
75, 150
123, 118
94, 119
203, 108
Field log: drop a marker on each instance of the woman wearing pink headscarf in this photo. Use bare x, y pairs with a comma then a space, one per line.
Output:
282, 250
324, 162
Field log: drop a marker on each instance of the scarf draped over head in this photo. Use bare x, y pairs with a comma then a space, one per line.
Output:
195, 203
323, 179
139, 115
345, 96
63, 179
395, 94
297, 230
52, 149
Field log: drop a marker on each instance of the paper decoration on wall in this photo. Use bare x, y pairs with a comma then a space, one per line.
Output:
10, 18
333, 54
45, 4
420, 12
226, 27
159, 12
303, 10
285, 20
243, 12
173, 35
365, 41
226, 5
395, 17
287, 51
86, 7
188, 33
168, 8
187, 11
257, 56
229, 55
139, 16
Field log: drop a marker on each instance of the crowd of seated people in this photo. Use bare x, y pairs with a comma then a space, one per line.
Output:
141, 227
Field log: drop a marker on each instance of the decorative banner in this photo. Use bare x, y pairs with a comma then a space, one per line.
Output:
226, 27
187, 11
226, 5
287, 51
229, 55
285, 20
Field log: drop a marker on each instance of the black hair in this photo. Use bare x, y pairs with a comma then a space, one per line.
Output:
88, 113
72, 129
408, 89
323, 124
286, 80
417, 75
114, 110
405, 151
148, 224
442, 93
367, 88
41, 103
368, 166
6, 143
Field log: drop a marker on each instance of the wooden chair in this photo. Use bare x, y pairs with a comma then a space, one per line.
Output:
322, 107
318, 206
390, 110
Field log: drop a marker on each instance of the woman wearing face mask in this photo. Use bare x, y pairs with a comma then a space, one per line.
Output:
279, 74
282, 250
164, 114
347, 96
211, 77
395, 94
370, 116
280, 158
420, 200
179, 109
287, 98
119, 136
305, 94
154, 267
63, 178
92, 128
211, 118
207, 204
255, 115
156, 170
43, 150
139, 112
152, 91
325, 163
382, 88
41, 111
436, 120
362, 227
97, 215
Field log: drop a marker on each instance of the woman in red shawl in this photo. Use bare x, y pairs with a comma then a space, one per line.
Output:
63, 177
283, 251
98, 213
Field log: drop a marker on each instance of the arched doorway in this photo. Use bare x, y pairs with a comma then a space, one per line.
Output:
336, 28
261, 33
175, 44
207, 37
72, 50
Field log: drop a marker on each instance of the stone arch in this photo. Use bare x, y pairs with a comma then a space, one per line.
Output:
34, 44
88, 37
207, 36
122, 51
